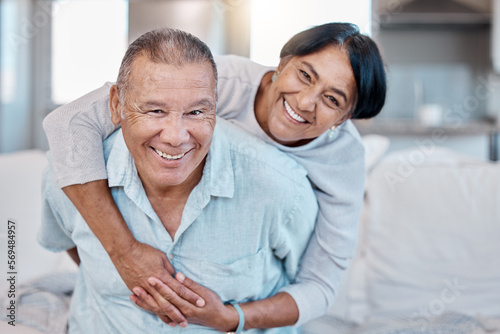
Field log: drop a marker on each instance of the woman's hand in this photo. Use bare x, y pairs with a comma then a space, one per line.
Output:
164, 297
140, 262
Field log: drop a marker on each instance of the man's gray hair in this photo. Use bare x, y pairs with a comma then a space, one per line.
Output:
166, 46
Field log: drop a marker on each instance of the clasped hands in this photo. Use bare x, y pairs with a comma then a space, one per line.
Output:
175, 300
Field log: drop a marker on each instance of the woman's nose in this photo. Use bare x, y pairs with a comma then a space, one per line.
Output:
306, 99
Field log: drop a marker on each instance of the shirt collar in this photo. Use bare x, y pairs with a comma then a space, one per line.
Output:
120, 165
218, 174
219, 167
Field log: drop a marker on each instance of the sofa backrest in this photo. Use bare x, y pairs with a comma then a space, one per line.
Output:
429, 239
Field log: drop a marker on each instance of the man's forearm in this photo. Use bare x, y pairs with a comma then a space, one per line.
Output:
97, 207
276, 311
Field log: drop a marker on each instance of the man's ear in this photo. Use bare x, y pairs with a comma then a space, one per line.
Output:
115, 105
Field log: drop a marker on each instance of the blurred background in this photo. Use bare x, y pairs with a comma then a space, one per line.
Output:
442, 56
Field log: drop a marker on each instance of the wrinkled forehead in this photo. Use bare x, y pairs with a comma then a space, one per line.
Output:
197, 75
171, 88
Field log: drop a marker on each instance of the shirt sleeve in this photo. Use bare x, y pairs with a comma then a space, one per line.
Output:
75, 133
54, 235
339, 190
295, 228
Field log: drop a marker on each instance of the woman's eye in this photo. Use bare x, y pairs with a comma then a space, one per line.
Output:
305, 75
333, 100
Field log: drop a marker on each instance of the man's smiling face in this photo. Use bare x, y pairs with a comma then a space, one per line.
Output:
168, 119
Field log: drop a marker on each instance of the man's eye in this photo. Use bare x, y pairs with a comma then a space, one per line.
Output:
305, 75
156, 111
195, 112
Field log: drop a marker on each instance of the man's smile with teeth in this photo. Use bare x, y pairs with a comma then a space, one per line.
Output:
293, 114
168, 156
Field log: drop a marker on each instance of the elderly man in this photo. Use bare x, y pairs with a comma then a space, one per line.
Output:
229, 211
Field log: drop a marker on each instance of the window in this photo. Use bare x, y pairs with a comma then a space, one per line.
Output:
7, 56
89, 39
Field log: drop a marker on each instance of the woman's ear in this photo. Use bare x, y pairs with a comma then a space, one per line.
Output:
115, 105
347, 116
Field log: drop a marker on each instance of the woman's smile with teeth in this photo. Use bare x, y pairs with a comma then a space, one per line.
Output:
293, 114
168, 156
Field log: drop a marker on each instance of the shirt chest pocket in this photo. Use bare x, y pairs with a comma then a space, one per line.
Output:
241, 280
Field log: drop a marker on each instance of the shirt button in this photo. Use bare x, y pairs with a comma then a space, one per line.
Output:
171, 256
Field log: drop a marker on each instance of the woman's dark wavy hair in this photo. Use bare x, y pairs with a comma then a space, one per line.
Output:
364, 55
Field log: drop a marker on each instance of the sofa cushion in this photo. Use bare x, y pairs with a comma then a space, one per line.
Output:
432, 235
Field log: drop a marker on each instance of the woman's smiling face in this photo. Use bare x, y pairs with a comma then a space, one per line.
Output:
310, 94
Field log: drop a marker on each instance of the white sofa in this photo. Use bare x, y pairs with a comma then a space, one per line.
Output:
429, 248
20, 201
429, 243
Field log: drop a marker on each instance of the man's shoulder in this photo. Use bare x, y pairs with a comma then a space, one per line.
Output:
53, 195
109, 142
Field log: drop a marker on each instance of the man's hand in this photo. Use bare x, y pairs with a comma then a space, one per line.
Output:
164, 296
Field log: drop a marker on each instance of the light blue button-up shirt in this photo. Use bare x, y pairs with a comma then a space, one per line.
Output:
242, 233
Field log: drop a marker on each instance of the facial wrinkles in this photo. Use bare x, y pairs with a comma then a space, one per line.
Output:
306, 83
339, 69
305, 101
135, 110
174, 93
324, 112
196, 79
160, 83
313, 98
131, 113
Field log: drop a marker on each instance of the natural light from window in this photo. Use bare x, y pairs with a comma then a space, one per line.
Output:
274, 22
7, 56
89, 39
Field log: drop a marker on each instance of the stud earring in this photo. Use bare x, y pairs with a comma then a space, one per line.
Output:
274, 76
331, 132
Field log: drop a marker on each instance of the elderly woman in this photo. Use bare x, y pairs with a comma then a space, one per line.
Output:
327, 75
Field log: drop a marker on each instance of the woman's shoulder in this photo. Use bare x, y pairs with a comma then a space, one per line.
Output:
343, 144
233, 66
232, 61
90, 99
343, 141
239, 79
349, 130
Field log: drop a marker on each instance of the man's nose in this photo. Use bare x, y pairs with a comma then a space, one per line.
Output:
175, 131
306, 99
